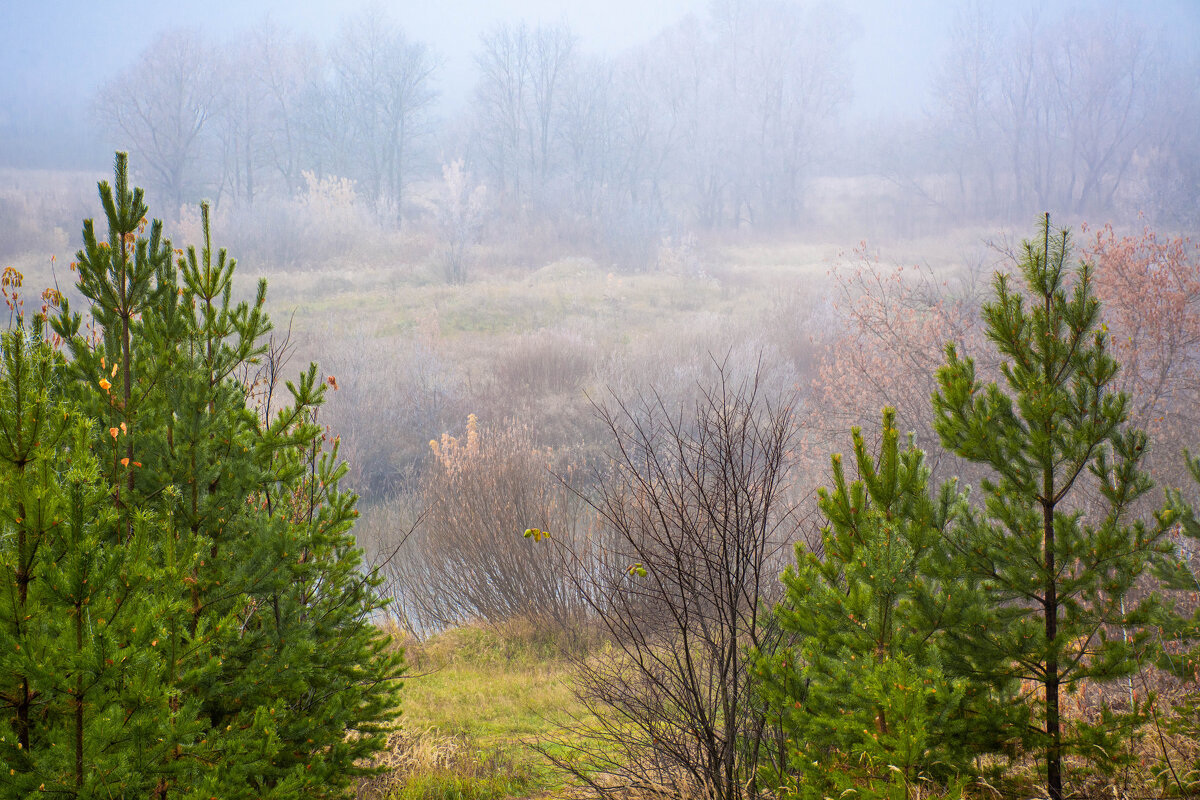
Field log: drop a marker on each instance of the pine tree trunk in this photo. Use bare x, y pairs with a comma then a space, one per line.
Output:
1050, 600
78, 698
24, 576
126, 377
1050, 609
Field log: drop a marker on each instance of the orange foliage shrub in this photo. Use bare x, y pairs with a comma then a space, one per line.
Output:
885, 348
1150, 289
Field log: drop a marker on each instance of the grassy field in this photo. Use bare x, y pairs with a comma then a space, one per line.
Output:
477, 698
385, 286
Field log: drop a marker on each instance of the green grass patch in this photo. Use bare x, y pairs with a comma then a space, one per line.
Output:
475, 685
477, 697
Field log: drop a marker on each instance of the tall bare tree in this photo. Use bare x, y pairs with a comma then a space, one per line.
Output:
241, 124
523, 72
386, 83
262, 78
784, 80
1051, 112
696, 520
160, 109
283, 61
750, 91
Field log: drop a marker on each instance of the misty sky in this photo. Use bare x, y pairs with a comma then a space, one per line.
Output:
60, 51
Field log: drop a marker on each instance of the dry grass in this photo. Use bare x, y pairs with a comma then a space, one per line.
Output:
477, 697
429, 766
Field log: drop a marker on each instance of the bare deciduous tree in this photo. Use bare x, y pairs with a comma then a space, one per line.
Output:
1050, 113
781, 79
523, 72
697, 520
160, 111
262, 82
458, 210
467, 560
384, 81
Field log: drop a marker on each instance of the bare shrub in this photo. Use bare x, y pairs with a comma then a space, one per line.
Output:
457, 210
326, 222
884, 348
467, 559
1149, 285
19, 223
383, 532
681, 256
38, 208
698, 527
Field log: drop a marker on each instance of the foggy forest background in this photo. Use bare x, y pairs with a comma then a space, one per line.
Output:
589, 224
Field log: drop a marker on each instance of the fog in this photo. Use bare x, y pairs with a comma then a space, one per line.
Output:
512, 210
58, 55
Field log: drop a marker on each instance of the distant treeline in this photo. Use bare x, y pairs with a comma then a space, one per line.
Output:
717, 122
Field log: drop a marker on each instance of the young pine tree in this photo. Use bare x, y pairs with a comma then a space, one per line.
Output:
1180, 576
81, 672
866, 704
266, 642
1056, 564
